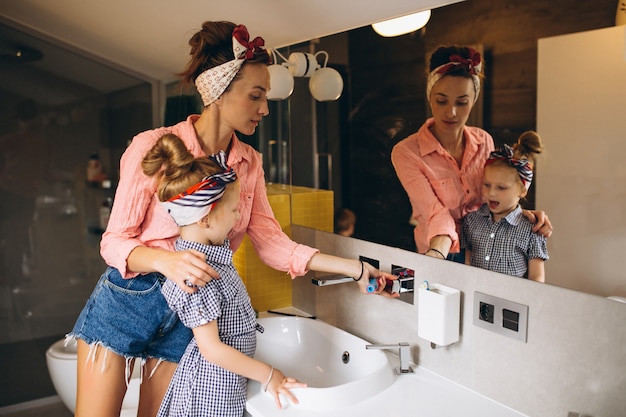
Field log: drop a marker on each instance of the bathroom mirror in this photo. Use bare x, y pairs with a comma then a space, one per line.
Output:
384, 102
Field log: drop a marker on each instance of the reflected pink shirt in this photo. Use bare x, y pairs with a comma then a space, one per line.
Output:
440, 192
137, 218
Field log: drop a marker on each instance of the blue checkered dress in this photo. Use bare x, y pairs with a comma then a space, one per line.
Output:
200, 388
504, 246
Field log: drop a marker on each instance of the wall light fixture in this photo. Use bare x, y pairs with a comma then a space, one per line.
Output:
325, 83
402, 25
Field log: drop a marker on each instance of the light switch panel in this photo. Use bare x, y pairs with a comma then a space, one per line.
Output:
502, 316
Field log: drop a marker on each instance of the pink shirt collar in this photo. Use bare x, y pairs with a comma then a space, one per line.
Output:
428, 143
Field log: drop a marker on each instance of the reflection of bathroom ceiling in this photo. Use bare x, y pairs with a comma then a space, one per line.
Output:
13, 53
150, 37
56, 75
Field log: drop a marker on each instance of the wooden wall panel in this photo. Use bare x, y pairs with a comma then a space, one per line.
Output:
508, 31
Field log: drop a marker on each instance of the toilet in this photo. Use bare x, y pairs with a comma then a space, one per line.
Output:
61, 362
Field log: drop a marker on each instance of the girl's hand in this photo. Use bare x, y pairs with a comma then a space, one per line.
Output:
280, 384
542, 225
382, 277
188, 269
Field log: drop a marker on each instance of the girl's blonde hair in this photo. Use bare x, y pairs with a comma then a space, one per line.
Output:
175, 167
528, 146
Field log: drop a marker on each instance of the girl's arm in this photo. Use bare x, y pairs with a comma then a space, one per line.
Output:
468, 257
536, 270
229, 358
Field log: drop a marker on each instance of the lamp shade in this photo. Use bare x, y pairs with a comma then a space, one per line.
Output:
402, 25
302, 64
281, 82
326, 84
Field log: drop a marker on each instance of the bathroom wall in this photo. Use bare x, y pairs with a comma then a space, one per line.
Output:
573, 361
592, 222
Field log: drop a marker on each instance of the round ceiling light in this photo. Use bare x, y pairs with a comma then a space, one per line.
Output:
402, 25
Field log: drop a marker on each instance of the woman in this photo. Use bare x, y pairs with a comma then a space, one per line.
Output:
441, 165
126, 316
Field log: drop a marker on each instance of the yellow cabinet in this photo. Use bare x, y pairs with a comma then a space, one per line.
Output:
268, 288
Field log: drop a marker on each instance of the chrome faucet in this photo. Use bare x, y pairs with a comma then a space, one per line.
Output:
331, 280
404, 350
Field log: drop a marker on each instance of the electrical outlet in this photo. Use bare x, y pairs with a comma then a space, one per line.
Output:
501, 316
485, 312
375, 263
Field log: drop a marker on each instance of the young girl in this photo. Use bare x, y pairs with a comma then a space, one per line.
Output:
202, 196
497, 236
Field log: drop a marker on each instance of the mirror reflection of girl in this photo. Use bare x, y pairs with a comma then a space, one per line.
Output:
497, 236
441, 165
202, 196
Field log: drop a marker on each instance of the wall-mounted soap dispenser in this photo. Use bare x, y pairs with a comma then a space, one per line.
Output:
438, 314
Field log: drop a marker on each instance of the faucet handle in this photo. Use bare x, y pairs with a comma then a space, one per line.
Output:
404, 351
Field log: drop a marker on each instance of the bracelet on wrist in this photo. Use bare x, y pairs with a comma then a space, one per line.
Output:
362, 270
269, 379
437, 251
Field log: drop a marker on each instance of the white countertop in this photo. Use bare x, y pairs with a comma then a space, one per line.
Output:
420, 394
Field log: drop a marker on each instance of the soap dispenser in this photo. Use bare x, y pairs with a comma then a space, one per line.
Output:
439, 314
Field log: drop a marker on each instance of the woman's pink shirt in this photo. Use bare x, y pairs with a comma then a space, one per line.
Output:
440, 191
137, 218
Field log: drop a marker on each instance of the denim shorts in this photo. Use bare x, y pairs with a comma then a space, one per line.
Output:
131, 318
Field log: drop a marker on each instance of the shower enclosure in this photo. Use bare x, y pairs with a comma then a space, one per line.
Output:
60, 111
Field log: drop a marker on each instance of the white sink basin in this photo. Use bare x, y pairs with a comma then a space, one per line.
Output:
314, 352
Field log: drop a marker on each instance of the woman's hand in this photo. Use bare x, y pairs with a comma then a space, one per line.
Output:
542, 225
280, 384
188, 269
360, 271
384, 287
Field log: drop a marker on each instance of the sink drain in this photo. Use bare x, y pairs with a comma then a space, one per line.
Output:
345, 357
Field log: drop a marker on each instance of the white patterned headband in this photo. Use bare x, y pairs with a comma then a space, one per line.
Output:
473, 64
197, 201
214, 81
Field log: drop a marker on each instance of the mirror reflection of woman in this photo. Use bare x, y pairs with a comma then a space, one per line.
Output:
441, 165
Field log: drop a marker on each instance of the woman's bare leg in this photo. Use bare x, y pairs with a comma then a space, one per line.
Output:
153, 389
101, 385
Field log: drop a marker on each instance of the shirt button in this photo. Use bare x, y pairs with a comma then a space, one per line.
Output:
492, 235
487, 258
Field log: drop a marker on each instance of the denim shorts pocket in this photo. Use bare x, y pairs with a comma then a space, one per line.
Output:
141, 284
